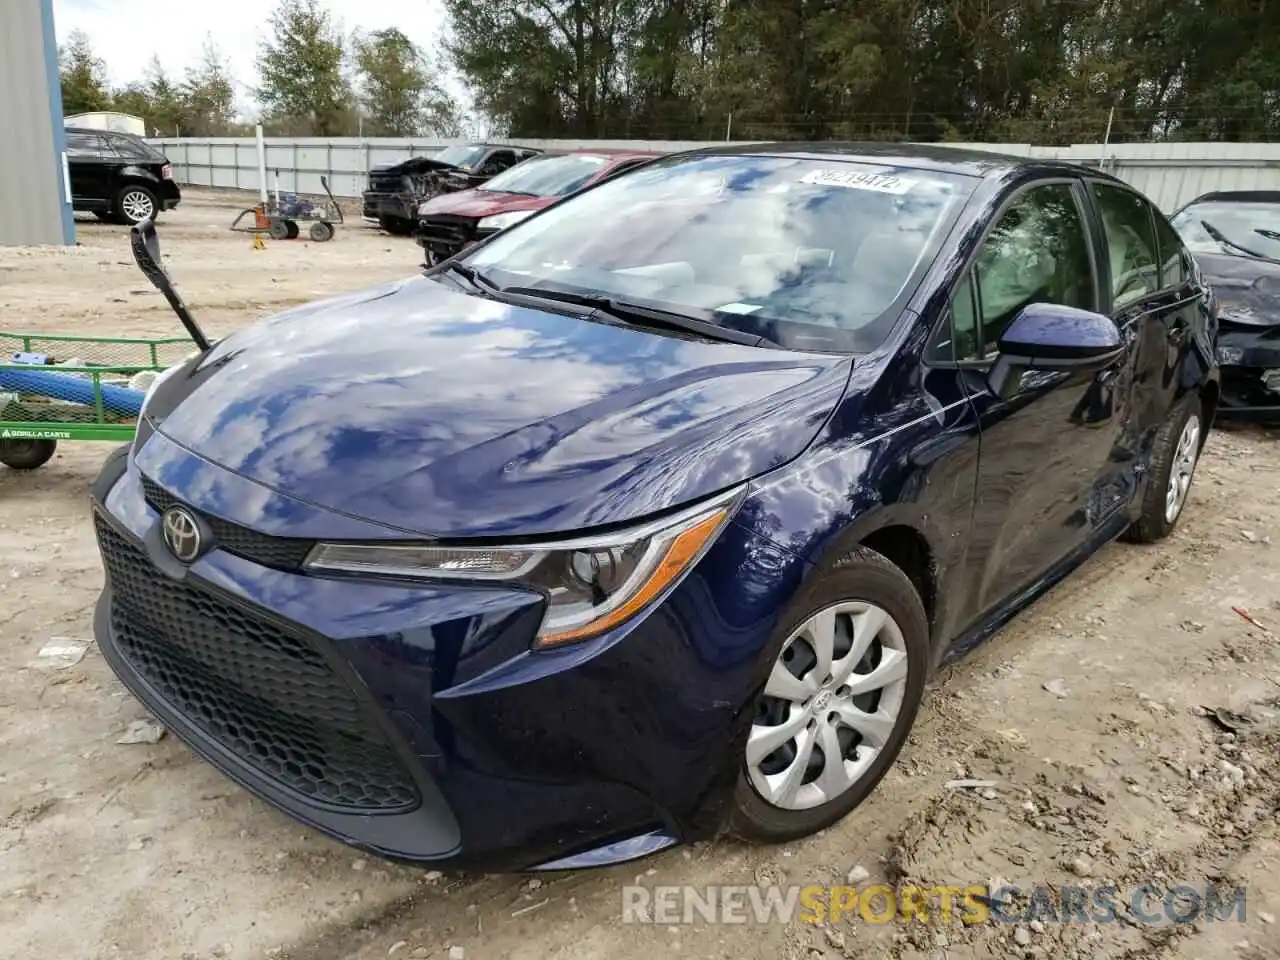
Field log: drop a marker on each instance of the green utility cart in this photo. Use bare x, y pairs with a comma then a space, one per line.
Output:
74, 388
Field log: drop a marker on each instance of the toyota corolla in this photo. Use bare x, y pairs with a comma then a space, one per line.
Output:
649, 517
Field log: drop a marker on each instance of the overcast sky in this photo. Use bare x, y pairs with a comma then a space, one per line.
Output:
125, 33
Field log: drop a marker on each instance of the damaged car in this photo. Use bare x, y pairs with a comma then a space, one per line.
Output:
1235, 238
394, 191
450, 223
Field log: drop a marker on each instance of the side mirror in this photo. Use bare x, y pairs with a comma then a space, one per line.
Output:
1048, 336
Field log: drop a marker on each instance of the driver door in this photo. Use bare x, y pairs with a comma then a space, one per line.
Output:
1046, 453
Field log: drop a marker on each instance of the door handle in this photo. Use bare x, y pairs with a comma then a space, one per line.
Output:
1178, 335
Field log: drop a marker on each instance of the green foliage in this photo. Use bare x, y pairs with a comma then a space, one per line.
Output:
399, 93
303, 88
207, 98
84, 77
1047, 71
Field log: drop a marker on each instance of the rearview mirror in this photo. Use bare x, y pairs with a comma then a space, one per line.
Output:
1049, 336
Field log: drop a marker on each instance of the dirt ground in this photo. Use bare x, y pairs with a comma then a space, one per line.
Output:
1115, 774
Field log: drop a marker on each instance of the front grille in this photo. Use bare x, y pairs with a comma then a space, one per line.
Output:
386, 182
279, 553
263, 692
444, 233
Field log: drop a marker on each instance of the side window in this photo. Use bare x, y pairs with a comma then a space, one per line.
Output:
125, 147
1131, 243
1038, 252
83, 145
499, 160
1174, 259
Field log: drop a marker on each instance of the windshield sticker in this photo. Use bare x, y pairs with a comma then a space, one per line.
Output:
856, 180
738, 308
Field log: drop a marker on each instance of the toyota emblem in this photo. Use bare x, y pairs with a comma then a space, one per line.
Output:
182, 534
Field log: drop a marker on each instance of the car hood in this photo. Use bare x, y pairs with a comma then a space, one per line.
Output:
481, 203
1247, 289
415, 165
447, 415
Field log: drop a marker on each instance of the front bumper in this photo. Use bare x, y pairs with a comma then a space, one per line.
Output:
413, 722
388, 206
1249, 358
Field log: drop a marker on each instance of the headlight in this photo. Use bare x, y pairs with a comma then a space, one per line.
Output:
151, 390
500, 221
1230, 355
591, 584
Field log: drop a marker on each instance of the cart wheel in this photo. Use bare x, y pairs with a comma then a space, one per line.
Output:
279, 230
26, 454
321, 231
293, 229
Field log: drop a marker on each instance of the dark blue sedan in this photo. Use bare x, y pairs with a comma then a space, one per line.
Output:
650, 516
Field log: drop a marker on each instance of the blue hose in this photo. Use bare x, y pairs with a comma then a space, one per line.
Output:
61, 386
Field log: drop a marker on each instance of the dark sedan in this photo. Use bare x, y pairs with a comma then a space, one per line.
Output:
650, 516
1235, 237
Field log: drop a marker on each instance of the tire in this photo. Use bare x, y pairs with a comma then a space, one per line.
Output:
1181, 436
135, 203
292, 227
862, 581
321, 232
279, 230
26, 454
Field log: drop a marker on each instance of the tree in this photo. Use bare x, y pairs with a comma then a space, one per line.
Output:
84, 77
398, 93
208, 96
303, 89
167, 110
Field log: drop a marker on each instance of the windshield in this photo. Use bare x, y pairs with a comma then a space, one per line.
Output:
1234, 227
547, 176
461, 156
810, 254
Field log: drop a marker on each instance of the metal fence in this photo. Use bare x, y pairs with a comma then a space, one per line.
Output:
1169, 173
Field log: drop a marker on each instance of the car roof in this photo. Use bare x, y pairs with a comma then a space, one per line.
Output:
1238, 196
938, 158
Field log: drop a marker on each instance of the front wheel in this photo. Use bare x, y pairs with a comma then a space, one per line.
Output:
321, 232
26, 454
135, 204
841, 696
1174, 456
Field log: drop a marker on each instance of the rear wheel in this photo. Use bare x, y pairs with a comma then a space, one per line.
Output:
321, 232
1174, 456
279, 230
26, 453
839, 701
135, 204
293, 229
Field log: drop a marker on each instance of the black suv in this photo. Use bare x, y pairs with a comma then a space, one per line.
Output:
118, 177
394, 192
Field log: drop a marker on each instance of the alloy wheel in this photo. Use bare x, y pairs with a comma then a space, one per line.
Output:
137, 206
830, 705
1182, 468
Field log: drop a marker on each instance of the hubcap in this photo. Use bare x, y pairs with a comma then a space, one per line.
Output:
137, 206
1184, 465
830, 705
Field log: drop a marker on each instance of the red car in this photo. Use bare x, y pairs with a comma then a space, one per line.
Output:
451, 222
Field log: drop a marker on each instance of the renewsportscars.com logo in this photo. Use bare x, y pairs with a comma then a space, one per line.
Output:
972, 904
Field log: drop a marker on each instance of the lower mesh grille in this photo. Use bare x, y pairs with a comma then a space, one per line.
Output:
264, 693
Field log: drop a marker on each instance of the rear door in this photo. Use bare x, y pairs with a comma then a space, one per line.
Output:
1153, 300
91, 167
1046, 470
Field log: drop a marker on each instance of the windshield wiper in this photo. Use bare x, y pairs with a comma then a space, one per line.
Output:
472, 276
638, 314
1217, 235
